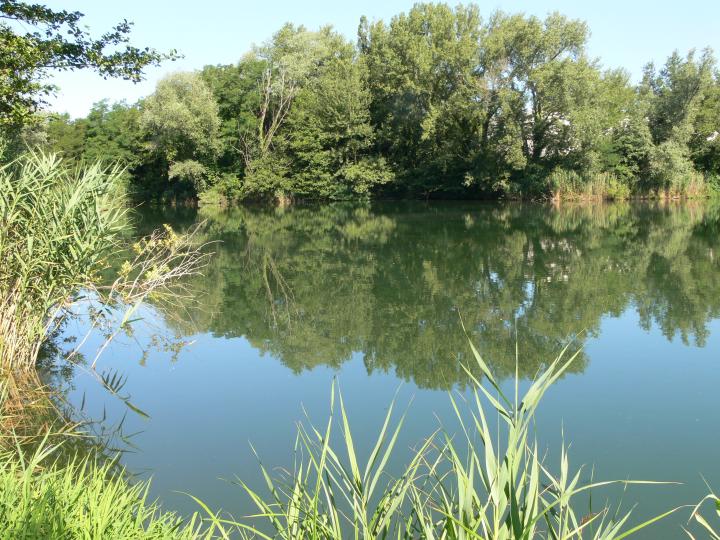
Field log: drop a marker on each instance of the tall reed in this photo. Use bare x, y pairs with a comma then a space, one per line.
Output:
569, 185
486, 481
712, 531
491, 482
57, 228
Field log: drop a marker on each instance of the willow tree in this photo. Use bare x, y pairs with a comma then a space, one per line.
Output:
420, 67
331, 146
292, 59
462, 105
675, 95
182, 122
235, 89
705, 139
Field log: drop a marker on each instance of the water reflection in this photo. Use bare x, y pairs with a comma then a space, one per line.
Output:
312, 285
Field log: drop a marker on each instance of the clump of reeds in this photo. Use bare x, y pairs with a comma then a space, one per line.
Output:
491, 482
487, 481
712, 531
58, 229
569, 185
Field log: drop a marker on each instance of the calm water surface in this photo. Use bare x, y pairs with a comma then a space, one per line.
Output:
293, 298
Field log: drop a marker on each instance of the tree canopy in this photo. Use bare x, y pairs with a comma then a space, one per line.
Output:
437, 102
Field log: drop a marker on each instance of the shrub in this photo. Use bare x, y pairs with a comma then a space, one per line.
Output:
225, 190
615, 188
191, 173
672, 172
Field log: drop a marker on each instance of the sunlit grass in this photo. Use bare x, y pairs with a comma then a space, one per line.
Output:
82, 499
711, 526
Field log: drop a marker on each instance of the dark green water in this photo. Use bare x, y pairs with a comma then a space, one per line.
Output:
373, 296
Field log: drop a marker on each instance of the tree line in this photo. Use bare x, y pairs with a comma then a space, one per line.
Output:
438, 102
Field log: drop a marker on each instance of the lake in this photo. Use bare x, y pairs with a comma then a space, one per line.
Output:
373, 296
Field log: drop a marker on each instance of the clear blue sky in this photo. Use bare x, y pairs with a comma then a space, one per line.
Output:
625, 33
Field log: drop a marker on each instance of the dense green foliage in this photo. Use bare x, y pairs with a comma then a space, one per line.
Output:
83, 499
437, 102
60, 227
57, 229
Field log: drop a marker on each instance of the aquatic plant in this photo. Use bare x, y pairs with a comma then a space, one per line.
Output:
58, 230
713, 532
57, 226
491, 482
486, 480
60, 484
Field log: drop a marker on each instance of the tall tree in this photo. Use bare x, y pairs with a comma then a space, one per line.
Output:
675, 95
113, 135
546, 80
330, 139
65, 136
182, 122
292, 58
420, 65
235, 88
436, 102
705, 140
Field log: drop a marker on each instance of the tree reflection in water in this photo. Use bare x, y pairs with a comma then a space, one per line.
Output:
312, 285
